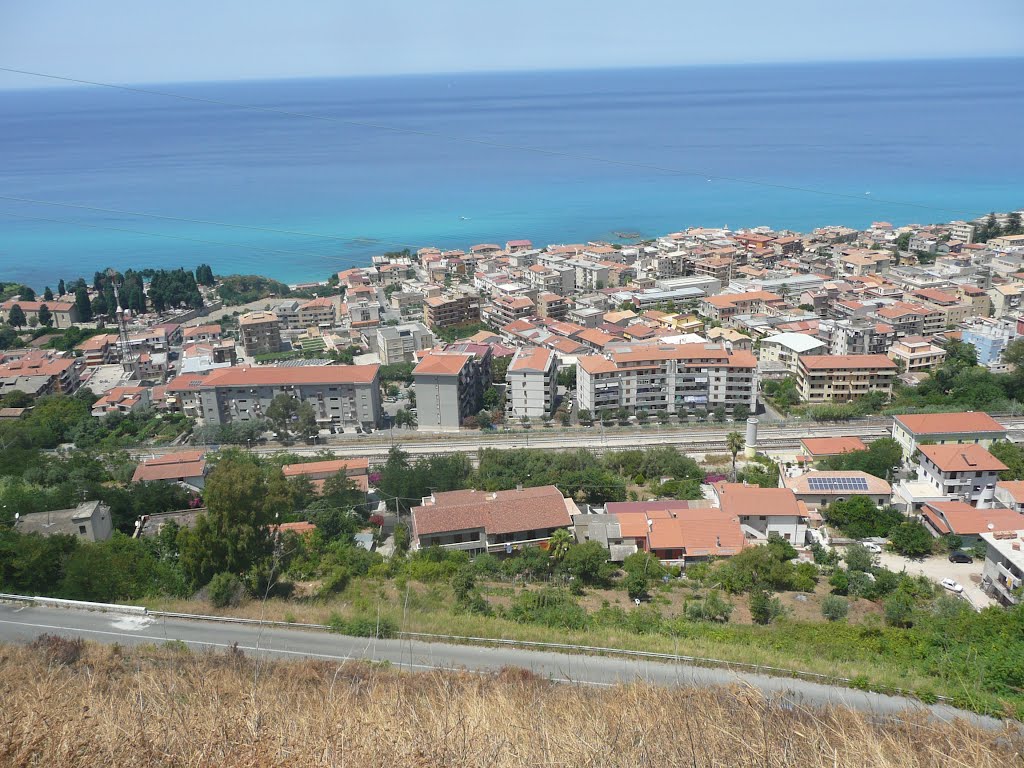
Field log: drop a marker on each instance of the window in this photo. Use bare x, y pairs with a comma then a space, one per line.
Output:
81, 530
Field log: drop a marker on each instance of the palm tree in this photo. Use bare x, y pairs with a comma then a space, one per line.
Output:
559, 543
734, 442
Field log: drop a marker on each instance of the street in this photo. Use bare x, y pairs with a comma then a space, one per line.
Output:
19, 623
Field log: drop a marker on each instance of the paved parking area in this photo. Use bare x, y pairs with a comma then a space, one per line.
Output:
937, 568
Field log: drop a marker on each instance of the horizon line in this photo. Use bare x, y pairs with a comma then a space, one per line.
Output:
500, 71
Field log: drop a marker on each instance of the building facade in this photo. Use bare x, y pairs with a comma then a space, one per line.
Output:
532, 378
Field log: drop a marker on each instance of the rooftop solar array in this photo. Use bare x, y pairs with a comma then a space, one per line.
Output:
837, 484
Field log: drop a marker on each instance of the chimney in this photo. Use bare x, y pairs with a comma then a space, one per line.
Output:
718, 541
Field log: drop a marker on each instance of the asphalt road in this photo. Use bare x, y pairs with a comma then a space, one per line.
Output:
20, 623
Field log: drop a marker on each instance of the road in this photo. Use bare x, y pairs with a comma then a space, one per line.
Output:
19, 623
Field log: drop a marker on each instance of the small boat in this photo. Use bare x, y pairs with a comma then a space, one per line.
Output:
464, 218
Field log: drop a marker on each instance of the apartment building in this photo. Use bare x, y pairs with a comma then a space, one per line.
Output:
507, 309
989, 338
288, 315
551, 306
63, 314
833, 378
341, 395
99, 350
532, 383
261, 333
724, 307
912, 319
1003, 573
911, 430
449, 311
718, 267
400, 343
968, 472
39, 373
915, 354
786, 349
201, 334
1006, 299
318, 313
450, 388
673, 377
362, 313
962, 231
850, 337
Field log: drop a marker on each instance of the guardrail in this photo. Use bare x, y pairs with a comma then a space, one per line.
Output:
56, 602
702, 661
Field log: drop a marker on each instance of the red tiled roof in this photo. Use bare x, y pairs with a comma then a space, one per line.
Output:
437, 364
745, 500
968, 457
529, 509
171, 466
950, 423
961, 518
846, 362
832, 446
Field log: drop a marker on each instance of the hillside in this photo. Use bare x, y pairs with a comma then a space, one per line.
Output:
87, 705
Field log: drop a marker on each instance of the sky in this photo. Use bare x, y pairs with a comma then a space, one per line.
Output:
128, 41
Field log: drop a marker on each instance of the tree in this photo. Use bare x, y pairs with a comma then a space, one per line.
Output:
499, 369
911, 539
1013, 224
899, 608
636, 586
559, 544
588, 562
61, 290
26, 294
763, 607
584, 417
232, 535
83, 304
834, 607
492, 398
734, 442
281, 412
859, 558
204, 275
47, 294
859, 518
16, 317
878, 459
567, 377
45, 316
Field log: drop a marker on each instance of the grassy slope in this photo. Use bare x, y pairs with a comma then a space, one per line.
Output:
162, 706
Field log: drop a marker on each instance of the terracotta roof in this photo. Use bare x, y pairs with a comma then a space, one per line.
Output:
968, 457
832, 446
329, 467
171, 466
950, 423
438, 364
595, 337
97, 342
536, 359
596, 364
1014, 487
801, 485
299, 528
961, 518
34, 306
745, 500
200, 330
498, 512
845, 362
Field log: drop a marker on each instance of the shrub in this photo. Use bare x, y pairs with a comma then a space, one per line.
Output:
363, 626
911, 539
834, 607
548, 607
899, 609
335, 581
225, 589
636, 586
859, 558
711, 608
59, 650
763, 607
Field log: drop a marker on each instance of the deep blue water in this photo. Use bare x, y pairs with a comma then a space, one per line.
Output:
930, 141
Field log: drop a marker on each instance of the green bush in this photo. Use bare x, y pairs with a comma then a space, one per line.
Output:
763, 607
225, 589
834, 607
548, 607
363, 626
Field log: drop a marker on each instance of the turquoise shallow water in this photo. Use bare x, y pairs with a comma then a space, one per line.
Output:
904, 142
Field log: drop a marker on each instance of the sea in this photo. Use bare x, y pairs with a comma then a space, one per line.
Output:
297, 179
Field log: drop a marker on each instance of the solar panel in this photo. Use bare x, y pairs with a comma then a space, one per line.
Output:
837, 484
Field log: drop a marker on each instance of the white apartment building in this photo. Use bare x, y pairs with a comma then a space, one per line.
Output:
667, 377
786, 349
400, 343
968, 472
532, 383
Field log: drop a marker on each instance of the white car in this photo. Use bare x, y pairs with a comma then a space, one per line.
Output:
952, 586
873, 548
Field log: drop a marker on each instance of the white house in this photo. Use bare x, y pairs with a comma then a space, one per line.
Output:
942, 428
968, 472
764, 511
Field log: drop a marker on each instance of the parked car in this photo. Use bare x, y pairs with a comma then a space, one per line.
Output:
873, 548
959, 556
952, 586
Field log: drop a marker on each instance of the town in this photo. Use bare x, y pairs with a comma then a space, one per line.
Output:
825, 423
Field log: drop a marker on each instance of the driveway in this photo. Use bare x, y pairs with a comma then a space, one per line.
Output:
937, 568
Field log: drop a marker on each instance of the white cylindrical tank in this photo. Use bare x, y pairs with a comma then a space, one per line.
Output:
751, 442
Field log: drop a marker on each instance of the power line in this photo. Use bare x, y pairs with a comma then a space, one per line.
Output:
481, 142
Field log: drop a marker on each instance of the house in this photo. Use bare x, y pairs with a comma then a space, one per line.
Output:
90, 520
942, 518
679, 532
966, 471
121, 400
185, 467
482, 521
819, 489
817, 448
1010, 494
63, 314
787, 348
356, 469
1003, 573
910, 430
764, 511
915, 354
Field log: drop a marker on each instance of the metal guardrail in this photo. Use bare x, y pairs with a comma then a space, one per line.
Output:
55, 602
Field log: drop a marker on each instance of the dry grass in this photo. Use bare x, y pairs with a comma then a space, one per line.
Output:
166, 707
